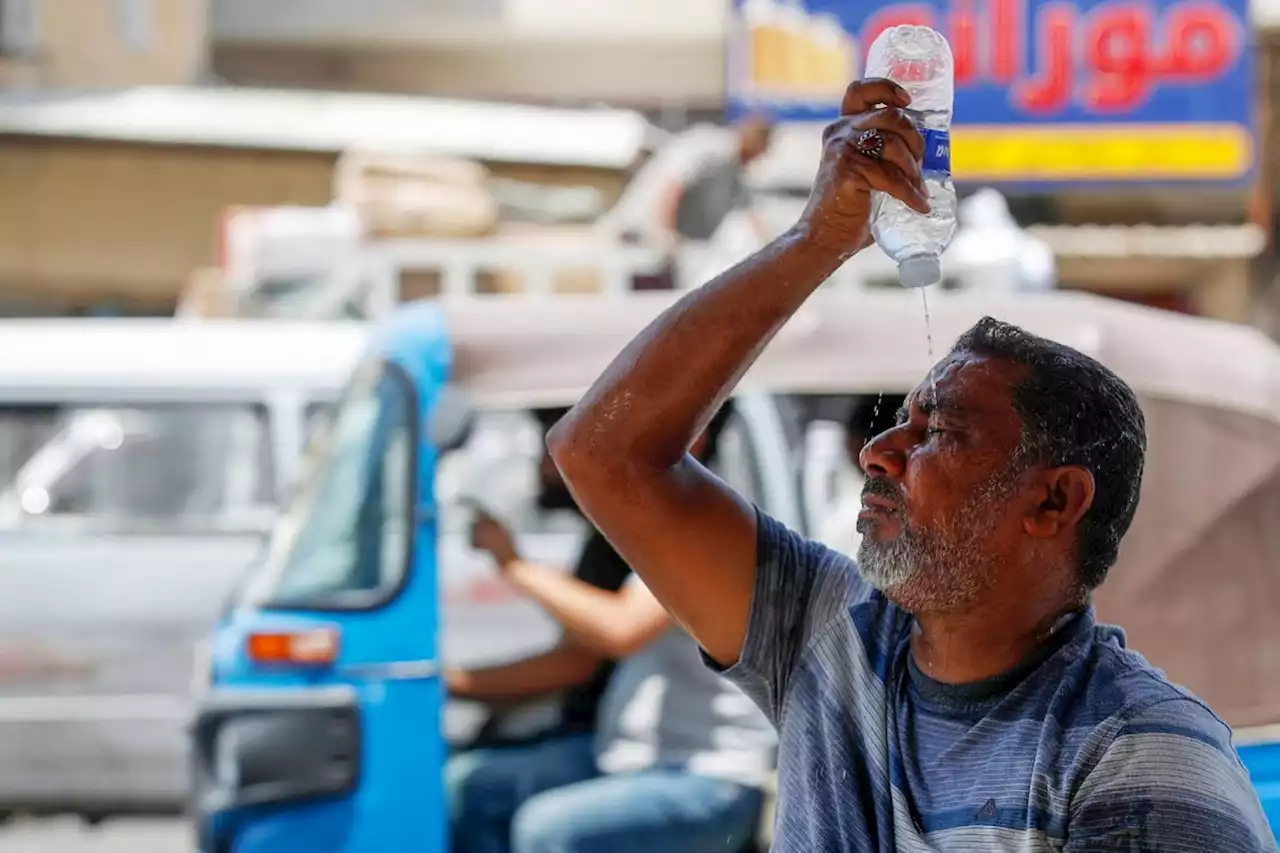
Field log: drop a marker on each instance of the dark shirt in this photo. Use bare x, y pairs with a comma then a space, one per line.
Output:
600, 566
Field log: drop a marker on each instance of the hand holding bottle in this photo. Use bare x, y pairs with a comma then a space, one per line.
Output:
919, 59
873, 146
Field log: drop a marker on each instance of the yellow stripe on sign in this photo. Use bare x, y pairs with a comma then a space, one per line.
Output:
1100, 152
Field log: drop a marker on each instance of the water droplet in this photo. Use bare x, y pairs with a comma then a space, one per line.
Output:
928, 335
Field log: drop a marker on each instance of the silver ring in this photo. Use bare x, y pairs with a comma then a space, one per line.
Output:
870, 143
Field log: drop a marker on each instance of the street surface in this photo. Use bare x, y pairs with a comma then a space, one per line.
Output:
64, 835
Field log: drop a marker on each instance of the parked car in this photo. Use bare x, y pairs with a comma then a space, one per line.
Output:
164, 451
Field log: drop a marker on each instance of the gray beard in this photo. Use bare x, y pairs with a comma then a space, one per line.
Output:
921, 571
889, 565
942, 569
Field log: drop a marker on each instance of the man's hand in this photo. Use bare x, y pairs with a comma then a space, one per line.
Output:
838, 215
489, 535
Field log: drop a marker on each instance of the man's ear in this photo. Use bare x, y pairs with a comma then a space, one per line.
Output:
1064, 496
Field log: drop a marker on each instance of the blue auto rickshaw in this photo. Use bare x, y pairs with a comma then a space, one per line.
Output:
322, 681
321, 725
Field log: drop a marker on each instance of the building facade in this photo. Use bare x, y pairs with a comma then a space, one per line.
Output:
95, 44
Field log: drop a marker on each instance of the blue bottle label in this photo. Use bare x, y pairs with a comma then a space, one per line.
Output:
937, 151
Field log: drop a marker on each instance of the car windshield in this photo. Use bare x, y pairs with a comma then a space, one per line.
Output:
137, 467
344, 541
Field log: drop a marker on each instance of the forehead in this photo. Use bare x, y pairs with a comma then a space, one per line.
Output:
974, 385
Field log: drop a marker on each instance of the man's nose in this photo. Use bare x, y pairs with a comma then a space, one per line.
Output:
882, 456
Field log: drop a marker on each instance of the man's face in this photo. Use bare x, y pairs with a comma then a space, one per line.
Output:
942, 505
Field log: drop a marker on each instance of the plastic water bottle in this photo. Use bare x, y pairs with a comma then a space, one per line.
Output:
919, 59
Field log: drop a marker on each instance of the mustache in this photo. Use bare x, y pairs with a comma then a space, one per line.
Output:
881, 488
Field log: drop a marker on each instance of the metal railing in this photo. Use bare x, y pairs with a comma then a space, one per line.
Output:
321, 264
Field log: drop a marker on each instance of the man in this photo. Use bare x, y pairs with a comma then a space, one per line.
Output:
695, 209
953, 691
679, 754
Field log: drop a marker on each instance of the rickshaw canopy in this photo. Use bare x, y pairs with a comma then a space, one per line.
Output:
1197, 586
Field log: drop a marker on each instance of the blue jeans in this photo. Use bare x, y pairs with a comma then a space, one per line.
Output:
549, 797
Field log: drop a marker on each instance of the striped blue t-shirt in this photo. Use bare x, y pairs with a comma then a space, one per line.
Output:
1087, 747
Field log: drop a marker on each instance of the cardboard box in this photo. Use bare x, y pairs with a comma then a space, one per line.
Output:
408, 195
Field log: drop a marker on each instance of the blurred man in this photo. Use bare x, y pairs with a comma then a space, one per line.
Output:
576, 674
678, 754
696, 208
953, 690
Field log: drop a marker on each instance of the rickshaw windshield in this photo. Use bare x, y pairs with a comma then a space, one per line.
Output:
344, 541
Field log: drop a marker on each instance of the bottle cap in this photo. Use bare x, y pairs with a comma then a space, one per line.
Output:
920, 271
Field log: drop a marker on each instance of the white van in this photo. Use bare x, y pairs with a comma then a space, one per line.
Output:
165, 450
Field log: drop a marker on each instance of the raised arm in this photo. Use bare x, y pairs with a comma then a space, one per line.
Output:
623, 450
612, 624
566, 665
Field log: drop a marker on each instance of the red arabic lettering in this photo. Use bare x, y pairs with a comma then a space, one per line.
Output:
964, 41
1006, 39
1117, 42
1050, 89
1203, 41
1128, 59
1107, 61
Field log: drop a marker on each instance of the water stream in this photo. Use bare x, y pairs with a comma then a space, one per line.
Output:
928, 335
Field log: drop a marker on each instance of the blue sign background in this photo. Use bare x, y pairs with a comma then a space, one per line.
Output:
1226, 99
1223, 104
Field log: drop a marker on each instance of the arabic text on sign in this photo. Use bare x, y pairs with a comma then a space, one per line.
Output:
1107, 60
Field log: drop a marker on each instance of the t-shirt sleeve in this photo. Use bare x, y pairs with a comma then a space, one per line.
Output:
801, 586
1170, 782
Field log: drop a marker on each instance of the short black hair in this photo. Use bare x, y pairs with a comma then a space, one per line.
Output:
1074, 412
